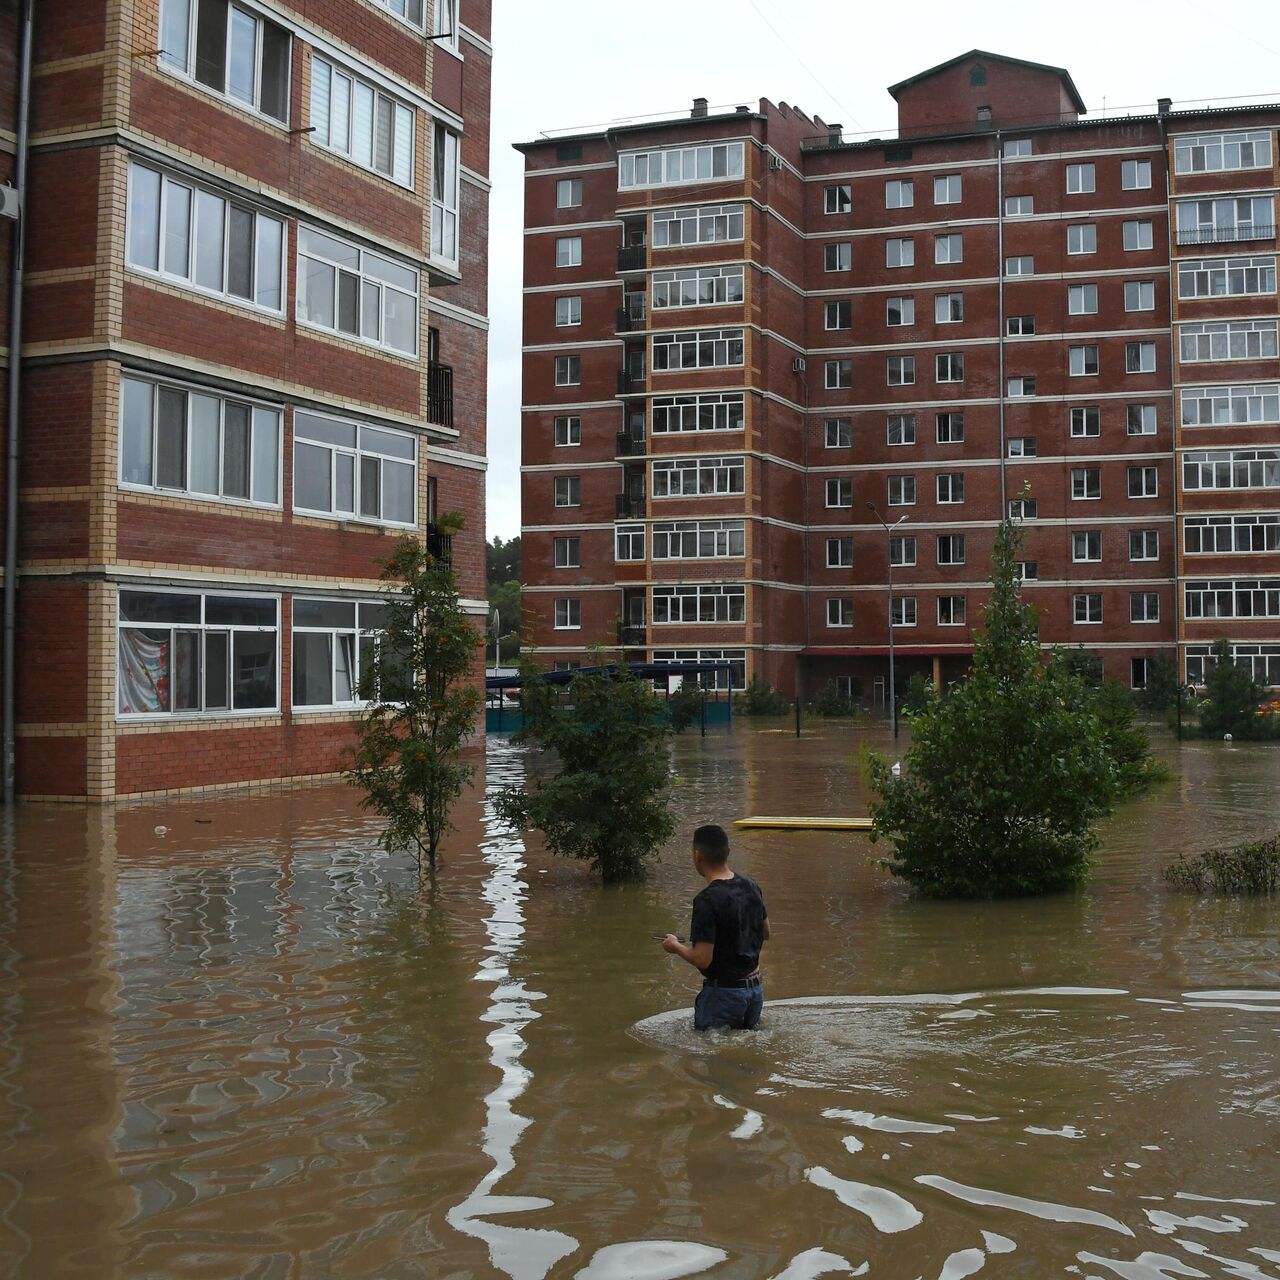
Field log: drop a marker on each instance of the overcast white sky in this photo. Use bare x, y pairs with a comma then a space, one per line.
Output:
563, 64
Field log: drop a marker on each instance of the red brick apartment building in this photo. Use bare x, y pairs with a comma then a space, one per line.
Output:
253, 355
743, 332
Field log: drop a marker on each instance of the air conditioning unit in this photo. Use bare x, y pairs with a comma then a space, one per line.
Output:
775, 162
798, 365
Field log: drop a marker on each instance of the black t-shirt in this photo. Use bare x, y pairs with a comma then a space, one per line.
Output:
731, 914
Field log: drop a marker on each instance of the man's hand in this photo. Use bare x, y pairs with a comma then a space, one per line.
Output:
671, 945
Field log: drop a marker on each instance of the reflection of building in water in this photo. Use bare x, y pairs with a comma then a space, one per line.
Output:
256, 315
1011, 308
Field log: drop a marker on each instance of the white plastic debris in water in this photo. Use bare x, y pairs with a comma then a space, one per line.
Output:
162, 831
1226, 737
897, 769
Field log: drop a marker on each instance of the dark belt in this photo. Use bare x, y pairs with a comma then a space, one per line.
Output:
733, 984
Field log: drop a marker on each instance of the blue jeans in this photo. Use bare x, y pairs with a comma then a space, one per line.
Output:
735, 1008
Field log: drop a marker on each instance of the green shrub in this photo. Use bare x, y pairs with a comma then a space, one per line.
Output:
833, 701
760, 698
1249, 868
1126, 740
684, 706
1161, 691
919, 696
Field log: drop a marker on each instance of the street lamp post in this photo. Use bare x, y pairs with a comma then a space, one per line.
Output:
497, 641
889, 528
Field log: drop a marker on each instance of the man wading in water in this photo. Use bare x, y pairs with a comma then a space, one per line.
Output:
730, 925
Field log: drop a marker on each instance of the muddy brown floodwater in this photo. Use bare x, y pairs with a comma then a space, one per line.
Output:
235, 1041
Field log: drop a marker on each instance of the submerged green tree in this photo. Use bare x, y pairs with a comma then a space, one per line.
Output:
1232, 696
418, 677
1161, 690
607, 802
1005, 778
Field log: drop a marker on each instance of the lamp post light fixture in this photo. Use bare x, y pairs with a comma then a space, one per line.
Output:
889, 528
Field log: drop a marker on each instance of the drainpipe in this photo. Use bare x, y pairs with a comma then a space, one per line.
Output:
1000, 389
9, 656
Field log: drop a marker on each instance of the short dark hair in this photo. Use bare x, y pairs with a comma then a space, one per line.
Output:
713, 843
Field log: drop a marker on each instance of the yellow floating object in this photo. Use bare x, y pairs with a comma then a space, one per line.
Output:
807, 824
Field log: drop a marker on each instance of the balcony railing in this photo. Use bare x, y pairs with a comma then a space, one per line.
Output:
633, 314
633, 257
1226, 235
630, 445
440, 394
630, 505
632, 634
439, 544
629, 383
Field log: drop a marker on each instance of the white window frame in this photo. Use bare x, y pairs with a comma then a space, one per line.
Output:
837, 199
904, 307
566, 491
698, 224
356, 632
567, 552
568, 251
952, 611
838, 492
839, 611
362, 452
1210, 470
1086, 546
568, 193
900, 371
728, 598
949, 487
899, 193
1221, 341
1083, 417
569, 311
1021, 386
444, 22
832, 310
1231, 535
327, 123
715, 411
1141, 231
1082, 178
703, 476
628, 543
1139, 295
1135, 175
1148, 482
836, 549
1145, 353
903, 248
1226, 152
903, 550
948, 308
838, 433
1086, 484
1082, 299
948, 367
1147, 545
446, 195
1016, 148
1022, 265
900, 491
666, 166
1244, 277
1227, 595
710, 348
1086, 608
1144, 606
948, 188
567, 613
900, 429
699, 540
1230, 404
568, 371
954, 548
949, 428
841, 253
1082, 239
837, 374
903, 612
948, 247
567, 429
1142, 423
699, 287
1019, 206
1083, 361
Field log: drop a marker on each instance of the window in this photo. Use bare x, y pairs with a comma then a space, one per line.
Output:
1085, 421
568, 491
1144, 544
568, 312
1230, 535
1226, 219
1086, 483
444, 200
1023, 266
703, 476
356, 293
698, 349
723, 411
354, 472
950, 428
335, 649
900, 428
1139, 295
568, 193
838, 315
697, 287
1135, 175
1227, 340
1139, 357
1023, 509
838, 199
188, 441
949, 367
1226, 405
629, 542
1019, 206
1086, 546
1262, 661
1138, 673
839, 553
1137, 235
839, 433
444, 25
1082, 299
703, 602
1081, 179
568, 430
1226, 277
951, 611
948, 248
1222, 152
1022, 446
568, 251
568, 371
673, 165
900, 252
946, 189
1231, 469
703, 224
902, 550
736, 658
412, 10
230, 49
186, 653
839, 612
1140, 419
1020, 326
358, 121
899, 193
902, 611
951, 548
1023, 386
568, 613
1233, 598
1028, 570
568, 553
1144, 606
902, 491
215, 245
1082, 361
837, 257
837, 374
1086, 608
948, 308
951, 487
899, 311
1143, 482
699, 540
840, 492
900, 371
1082, 237
1016, 148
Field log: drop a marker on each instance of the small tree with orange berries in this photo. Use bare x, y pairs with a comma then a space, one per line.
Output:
416, 676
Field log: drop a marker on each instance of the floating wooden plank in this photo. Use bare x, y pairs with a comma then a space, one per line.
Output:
806, 824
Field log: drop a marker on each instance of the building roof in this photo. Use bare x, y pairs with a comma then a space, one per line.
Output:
617, 130
1061, 72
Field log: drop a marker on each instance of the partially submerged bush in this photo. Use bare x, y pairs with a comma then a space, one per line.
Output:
833, 701
760, 698
684, 706
1249, 868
